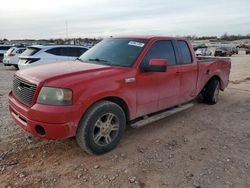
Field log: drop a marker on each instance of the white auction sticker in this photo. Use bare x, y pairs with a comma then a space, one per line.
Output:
134, 43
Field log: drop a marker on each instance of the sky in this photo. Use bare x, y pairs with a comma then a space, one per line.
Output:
45, 19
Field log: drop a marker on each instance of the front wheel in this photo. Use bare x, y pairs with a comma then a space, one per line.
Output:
211, 92
101, 128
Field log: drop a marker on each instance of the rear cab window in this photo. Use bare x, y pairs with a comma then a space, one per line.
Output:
185, 52
162, 49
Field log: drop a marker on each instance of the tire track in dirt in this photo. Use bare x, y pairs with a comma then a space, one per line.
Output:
240, 81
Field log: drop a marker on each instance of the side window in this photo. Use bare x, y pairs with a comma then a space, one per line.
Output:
55, 51
22, 50
76, 52
185, 52
64, 51
19, 51
73, 52
82, 50
160, 50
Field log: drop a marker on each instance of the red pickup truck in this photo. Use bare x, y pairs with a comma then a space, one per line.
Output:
120, 81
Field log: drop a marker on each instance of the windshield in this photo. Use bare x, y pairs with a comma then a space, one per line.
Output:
114, 52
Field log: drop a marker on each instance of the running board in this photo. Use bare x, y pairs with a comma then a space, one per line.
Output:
161, 115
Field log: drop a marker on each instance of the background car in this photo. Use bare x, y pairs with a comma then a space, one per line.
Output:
44, 54
11, 56
203, 52
235, 50
3, 49
248, 50
223, 51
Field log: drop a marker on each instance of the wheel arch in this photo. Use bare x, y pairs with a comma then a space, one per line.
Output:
214, 77
119, 101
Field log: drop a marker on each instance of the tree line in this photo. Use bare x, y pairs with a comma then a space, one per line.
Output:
225, 37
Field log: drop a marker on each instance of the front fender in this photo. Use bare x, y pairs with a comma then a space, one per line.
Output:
125, 92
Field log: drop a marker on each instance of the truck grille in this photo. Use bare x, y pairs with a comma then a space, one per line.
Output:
23, 90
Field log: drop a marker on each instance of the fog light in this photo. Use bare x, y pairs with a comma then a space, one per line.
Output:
40, 130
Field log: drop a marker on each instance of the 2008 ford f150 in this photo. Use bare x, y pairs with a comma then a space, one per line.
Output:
120, 81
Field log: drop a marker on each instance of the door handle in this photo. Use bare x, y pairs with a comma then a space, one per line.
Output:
177, 73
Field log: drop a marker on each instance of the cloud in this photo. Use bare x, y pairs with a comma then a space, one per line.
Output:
100, 18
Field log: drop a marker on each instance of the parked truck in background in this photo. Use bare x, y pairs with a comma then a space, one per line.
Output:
120, 81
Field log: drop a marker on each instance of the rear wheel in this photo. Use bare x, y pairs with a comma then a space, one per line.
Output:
16, 66
211, 92
101, 128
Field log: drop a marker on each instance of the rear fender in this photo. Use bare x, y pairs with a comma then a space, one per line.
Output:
215, 76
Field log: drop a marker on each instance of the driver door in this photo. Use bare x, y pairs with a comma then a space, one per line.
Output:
158, 90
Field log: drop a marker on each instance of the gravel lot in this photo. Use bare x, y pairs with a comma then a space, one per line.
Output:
205, 146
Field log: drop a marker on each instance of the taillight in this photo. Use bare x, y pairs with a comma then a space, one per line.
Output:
10, 55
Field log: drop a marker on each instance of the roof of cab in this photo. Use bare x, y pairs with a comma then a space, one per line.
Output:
149, 37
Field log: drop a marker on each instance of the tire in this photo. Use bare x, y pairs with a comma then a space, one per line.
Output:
16, 66
211, 92
101, 128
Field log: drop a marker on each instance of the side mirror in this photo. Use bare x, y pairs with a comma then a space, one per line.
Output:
156, 65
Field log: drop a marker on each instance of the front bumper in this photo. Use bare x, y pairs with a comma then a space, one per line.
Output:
57, 122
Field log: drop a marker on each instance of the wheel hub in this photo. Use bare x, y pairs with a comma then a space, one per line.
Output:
106, 129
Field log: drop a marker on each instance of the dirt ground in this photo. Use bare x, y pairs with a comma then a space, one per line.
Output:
203, 147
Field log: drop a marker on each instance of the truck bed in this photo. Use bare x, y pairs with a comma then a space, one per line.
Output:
211, 66
205, 59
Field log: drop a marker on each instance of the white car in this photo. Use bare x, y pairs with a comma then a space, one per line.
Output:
3, 49
203, 52
44, 54
11, 56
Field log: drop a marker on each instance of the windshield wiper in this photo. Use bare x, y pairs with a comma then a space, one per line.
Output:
79, 59
98, 60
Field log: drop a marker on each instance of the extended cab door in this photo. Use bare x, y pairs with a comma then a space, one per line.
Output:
188, 71
158, 90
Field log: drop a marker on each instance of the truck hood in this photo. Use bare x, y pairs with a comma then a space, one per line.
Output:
42, 73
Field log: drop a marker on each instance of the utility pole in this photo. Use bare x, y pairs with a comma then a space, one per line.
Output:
66, 27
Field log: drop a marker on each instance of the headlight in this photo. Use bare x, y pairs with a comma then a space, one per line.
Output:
55, 96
